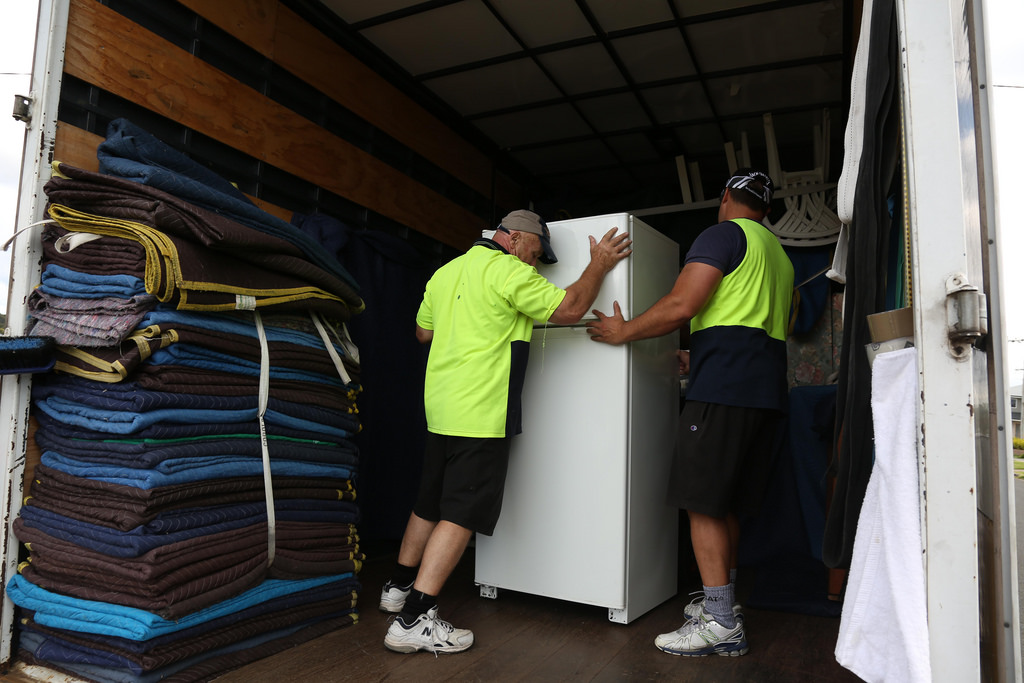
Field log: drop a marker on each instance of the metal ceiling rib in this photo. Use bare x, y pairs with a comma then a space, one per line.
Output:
600, 96
558, 85
696, 65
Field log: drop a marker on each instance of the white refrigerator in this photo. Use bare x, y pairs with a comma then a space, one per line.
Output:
584, 517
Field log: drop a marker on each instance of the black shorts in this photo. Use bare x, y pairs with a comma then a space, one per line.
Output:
463, 481
723, 459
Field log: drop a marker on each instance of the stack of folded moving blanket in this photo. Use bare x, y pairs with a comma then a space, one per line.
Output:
193, 509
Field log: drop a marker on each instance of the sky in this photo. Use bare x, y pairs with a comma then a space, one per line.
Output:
17, 38
17, 34
1007, 78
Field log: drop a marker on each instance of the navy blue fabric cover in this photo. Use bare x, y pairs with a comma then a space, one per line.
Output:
131, 153
176, 431
166, 530
146, 454
122, 421
809, 265
202, 667
192, 470
130, 397
393, 274
784, 542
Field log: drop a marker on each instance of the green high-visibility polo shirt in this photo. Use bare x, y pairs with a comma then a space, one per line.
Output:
481, 307
758, 293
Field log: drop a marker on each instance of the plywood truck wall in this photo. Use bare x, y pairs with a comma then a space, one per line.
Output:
276, 106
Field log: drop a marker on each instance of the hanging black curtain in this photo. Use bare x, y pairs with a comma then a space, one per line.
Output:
392, 275
867, 259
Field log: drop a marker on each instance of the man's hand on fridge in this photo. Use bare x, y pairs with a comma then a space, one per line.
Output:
684, 361
610, 250
607, 328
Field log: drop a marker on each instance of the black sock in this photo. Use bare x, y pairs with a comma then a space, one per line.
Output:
416, 604
404, 576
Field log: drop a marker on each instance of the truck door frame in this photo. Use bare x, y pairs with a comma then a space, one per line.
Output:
947, 163
40, 135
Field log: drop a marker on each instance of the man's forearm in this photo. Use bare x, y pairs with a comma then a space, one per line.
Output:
579, 296
656, 321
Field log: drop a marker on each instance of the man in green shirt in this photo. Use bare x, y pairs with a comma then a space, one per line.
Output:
477, 315
734, 294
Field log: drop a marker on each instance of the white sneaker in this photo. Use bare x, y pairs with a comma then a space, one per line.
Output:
392, 597
427, 633
704, 636
697, 604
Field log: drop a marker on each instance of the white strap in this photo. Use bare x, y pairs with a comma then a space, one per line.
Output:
264, 396
345, 339
72, 240
27, 227
342, 372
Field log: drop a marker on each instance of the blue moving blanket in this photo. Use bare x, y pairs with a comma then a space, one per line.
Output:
90, 616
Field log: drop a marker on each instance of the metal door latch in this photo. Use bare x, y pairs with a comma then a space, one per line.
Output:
966, 314
22, 108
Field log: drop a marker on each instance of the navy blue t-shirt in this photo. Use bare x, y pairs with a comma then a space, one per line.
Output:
723, 246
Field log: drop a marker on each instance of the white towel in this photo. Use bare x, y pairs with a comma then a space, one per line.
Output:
883, 635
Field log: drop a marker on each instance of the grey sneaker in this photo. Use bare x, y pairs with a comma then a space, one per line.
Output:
697, 604
704, 636
392, 597
427, 633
